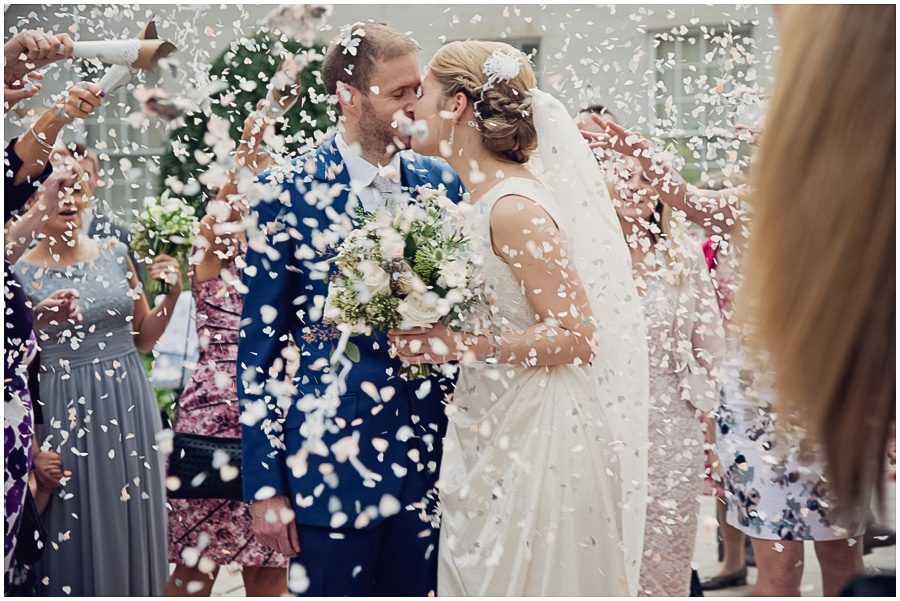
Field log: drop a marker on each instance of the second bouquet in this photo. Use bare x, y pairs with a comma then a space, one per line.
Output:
405, 266
166, 226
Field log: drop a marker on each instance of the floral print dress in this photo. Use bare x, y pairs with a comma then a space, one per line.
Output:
18, 431
215, 529
775, 484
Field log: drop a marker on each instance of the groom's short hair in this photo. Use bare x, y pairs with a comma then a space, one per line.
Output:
380, 43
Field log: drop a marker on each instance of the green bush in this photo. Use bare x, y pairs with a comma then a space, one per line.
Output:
245, 61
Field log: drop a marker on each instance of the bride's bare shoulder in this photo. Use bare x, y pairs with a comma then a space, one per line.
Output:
516, 218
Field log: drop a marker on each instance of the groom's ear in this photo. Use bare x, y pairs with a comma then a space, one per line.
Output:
348, 98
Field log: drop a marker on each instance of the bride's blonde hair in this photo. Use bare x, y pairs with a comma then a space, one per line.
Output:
503, 109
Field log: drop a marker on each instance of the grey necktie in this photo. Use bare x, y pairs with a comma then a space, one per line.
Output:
388, 190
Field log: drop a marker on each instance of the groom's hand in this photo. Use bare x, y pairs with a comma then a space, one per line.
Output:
275, 526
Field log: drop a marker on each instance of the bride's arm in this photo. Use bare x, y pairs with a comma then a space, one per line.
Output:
527, 239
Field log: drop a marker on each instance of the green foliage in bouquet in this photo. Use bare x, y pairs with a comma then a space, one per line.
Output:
240, 66
166, 226
427, 248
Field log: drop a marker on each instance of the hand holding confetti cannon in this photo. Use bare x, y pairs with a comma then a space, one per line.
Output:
26, 51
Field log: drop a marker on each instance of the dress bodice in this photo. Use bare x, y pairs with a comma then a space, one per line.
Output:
218, 304
106, 302
514, 312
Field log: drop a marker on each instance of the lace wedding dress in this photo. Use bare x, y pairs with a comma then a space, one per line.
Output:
531, 484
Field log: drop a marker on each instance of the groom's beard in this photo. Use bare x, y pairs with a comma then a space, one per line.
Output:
377, 135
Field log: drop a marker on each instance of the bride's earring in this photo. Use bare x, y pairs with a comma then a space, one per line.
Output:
452, 133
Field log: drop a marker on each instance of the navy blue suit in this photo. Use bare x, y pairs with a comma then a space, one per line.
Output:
358, 536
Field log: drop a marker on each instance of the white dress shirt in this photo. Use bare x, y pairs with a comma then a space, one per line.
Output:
362, 173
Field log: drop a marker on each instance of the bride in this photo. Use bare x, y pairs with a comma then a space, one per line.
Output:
543, 481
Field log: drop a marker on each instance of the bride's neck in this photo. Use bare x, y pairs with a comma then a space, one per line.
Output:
480, 170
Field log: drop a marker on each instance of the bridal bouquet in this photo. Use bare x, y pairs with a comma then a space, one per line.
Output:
166, 226
404, 267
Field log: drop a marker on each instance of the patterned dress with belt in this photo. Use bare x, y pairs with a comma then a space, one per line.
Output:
217, 529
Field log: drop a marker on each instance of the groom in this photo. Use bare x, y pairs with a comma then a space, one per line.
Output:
353, 526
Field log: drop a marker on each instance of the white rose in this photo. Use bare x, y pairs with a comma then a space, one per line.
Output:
456, 296
452, 274
419, 310
375, 279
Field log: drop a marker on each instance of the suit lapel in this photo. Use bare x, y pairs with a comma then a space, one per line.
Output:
414, 173
330, 170
410, 176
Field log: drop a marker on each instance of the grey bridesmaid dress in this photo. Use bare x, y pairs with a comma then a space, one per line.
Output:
107, 523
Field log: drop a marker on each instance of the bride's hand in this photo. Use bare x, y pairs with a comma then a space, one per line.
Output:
418, 346
438, 344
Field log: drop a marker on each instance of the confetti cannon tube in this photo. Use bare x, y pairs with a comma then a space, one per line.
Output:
143, 52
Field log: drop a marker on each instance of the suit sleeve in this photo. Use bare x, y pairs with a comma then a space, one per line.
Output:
273, 282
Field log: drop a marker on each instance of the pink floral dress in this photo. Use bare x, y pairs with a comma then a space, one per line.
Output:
217, 529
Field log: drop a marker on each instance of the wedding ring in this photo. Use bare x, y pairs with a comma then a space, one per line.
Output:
80, 102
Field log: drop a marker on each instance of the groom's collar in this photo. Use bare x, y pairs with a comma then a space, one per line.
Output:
361, 171
331, 166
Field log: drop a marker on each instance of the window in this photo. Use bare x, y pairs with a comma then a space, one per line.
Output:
702, 75
532, 49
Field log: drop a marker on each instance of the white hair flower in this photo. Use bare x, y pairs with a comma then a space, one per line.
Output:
501, 65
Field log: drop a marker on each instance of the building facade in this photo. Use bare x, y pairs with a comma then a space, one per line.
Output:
684, 74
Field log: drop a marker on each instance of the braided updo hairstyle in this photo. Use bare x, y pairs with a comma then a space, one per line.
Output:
503, 109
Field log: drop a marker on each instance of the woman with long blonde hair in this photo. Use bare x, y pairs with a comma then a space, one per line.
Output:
819, 313
821, 270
